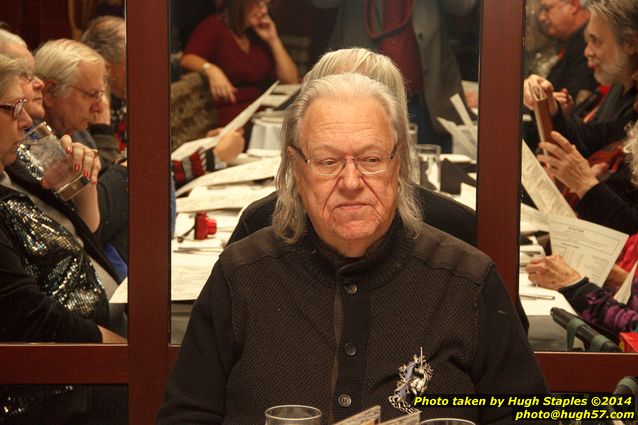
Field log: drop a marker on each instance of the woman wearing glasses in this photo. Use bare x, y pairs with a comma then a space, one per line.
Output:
54, 276
240, 52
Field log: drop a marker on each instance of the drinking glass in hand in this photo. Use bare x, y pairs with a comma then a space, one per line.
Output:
47, 153
293, 415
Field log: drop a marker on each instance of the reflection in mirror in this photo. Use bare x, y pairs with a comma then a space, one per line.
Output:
64, 404
60, 256
577, 250
205, 197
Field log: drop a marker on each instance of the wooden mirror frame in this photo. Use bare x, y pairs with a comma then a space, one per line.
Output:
143, 364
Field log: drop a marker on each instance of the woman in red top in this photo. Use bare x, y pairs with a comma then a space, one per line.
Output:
241, 53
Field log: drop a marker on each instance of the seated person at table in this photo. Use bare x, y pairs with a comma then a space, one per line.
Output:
596, 305
56, 279
240, 53
612, 51
612, 202
107, 36
74, 78
85, 203
347, 286
437, 210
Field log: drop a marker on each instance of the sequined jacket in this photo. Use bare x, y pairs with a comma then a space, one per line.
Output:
49, 290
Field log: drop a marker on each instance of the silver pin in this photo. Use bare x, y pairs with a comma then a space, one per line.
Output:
414, 378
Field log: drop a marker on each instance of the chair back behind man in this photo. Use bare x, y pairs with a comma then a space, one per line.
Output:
192, 110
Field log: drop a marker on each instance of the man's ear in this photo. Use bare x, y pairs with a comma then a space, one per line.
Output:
48, 92
574, 6
630, 46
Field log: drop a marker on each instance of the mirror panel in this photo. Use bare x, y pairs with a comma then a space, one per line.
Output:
306, 37
554, 50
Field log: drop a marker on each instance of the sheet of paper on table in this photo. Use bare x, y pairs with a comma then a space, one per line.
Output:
467, 196
189, 148
288, 89
532, 220
224, 197
187, 278
589, 248
540, 187
257, 170
274, 100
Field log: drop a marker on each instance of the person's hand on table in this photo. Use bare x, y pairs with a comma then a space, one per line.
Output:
551, 272
565, 163
220, 86
230, 145
528, 96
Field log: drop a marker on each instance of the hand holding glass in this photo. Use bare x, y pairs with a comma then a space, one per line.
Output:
57, 166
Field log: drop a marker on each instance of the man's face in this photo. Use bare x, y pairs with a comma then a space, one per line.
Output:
349, 211
73, 110
604, 55
32, 86
556, 18
12, 129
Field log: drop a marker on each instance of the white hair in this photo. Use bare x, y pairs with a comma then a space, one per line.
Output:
289, 217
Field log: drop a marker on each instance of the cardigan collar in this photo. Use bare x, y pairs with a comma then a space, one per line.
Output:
377, 266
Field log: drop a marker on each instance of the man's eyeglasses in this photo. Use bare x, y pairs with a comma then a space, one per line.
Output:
367, 163
15, 108
96, 95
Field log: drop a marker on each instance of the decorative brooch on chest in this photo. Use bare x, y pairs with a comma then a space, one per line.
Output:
414, 378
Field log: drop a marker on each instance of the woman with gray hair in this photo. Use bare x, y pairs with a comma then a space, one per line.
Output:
347, 287
55, 277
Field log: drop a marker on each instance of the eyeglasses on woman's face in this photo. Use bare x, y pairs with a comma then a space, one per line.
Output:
14, 108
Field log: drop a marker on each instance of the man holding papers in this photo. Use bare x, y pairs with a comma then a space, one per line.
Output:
612, 52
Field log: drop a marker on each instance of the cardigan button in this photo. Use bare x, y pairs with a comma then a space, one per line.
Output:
345, 400
350, 349
351, 289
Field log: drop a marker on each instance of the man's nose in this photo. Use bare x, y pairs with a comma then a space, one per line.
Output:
350, 176
96, 106
38, 84
588, 52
